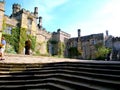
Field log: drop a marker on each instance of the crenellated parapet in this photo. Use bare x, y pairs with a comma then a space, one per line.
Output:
115, 39
59, 31
27, 12
17, 11
10, 21
44, 33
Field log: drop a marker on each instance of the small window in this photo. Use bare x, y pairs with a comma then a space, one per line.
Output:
29, 21
8, 30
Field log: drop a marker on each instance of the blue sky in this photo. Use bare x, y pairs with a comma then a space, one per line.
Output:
91, 16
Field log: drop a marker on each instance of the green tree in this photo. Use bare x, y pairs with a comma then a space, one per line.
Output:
102, 52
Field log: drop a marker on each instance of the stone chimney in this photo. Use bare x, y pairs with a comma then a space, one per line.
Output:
36, 11
79, 33
40, 22
107, 33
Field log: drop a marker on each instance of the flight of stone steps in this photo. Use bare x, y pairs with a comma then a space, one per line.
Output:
60, 76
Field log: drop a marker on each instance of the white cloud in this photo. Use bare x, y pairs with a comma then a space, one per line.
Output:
107, 18
50, 4
47, 6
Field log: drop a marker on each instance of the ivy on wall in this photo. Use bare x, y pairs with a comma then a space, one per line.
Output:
73, 51
33, 41
22, 40
13, 39
17, 39
61, 48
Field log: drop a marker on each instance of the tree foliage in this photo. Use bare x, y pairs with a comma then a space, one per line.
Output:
102, 52
73, 51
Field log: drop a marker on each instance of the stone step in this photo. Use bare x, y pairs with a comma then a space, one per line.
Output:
76, 67
75, 64
64, 70
89, 65
62, 74
76, 82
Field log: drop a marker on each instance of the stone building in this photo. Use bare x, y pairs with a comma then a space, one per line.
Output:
114, 44
49, 43
86, 45
25, 19
1, 17
59, 42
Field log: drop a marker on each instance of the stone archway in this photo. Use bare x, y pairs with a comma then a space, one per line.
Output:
27, 47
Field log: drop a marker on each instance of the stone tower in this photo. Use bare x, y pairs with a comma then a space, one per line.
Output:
15, 8
1, 16
27, 19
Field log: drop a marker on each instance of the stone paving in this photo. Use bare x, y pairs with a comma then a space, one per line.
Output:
10, 58
18, 58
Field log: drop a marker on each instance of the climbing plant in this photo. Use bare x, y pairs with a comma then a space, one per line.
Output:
61, 48
22, 39
13, 39
33, 41
73, 51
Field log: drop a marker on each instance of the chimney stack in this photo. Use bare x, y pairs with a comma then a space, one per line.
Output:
79, 33
36, 11
40, 22
107, 33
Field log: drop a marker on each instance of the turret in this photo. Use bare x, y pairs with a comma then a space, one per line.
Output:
36, 11
16, 8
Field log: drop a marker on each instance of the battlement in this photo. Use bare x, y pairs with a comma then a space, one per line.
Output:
28, 12
63, 33
44, 33
16, 5
17, 10
114, 39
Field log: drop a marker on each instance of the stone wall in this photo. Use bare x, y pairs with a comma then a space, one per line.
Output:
88, 43
115, 54
42, 38
10, 21
1, 17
